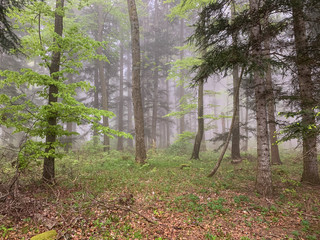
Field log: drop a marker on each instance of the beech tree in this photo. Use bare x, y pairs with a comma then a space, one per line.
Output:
199, 136
136, 86
60, 54
48, 165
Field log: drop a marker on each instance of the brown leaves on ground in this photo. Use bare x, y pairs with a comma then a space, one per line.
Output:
78, 214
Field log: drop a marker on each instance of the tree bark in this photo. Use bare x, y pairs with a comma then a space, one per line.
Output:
121, 102
103, 82
235, 147
168, 111
156, 81
48, 174
130, 127
306, 86
181, 87
96, 98
136, 88
246, 142
69, 139
275, 156
263, 180
199, 136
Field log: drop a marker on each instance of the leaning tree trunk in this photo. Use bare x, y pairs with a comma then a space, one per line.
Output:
309, 136
136, 89
199, 136
48, 174
263, 180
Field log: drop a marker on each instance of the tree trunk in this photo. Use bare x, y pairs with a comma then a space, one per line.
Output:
136, 89
96, 98
168, 111
48, 174
130, 127
203, 146
199, 136
121, 102
263, 181
275, 156
68, 145
246, 143
181, 87
235, 147
103, 82
223, 123
309, 136
156, 80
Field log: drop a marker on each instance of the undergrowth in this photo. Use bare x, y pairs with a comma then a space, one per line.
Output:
173, 189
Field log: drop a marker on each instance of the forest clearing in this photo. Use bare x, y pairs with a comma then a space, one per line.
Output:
108, 196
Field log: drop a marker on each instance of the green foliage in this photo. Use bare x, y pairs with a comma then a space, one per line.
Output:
187, 7
210, 236
241, 198
179, 65
27, 111
5, 231
183, 143
296, 129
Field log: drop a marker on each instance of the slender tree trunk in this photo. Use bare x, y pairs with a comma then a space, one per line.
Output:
121, 102
275, 156
156, 80
103, 81
223, 123
136, 88
309, 136
199, 136
246, 143
168, 111
48, 174
235, 147
68, 145
96, 98
181, 87
263, 181
130, 126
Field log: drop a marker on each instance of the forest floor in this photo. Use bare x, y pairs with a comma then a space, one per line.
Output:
108, 196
